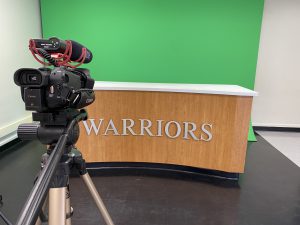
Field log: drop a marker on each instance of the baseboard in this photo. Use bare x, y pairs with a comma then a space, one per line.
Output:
287, 125
162, 170
9, 132
282, 129
8, 138
6, 147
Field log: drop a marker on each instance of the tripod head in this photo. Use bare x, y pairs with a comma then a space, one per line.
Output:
52, 125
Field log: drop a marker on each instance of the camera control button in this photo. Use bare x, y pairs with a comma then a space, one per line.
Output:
51, 89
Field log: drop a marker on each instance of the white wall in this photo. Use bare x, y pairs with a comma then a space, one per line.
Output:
278, 68
19, 21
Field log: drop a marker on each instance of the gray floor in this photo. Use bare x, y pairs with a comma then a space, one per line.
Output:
288, 143
19, 167
268, 193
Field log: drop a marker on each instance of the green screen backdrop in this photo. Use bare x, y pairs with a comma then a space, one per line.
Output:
165, 41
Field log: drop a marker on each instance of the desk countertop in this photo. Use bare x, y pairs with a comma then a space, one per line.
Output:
217, 89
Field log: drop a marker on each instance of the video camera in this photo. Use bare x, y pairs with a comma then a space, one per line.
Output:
56, 95
64, 86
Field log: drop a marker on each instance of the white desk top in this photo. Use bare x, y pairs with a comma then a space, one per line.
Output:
185, 88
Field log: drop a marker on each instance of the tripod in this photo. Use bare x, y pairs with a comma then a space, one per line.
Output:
60, 211
59, 130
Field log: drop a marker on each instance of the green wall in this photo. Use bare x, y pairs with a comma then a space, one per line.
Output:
174, 41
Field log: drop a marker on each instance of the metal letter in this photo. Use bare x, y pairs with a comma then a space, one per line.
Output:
209, 134
129, 128
188, 131
111, 127
93, 126
159, 128
167, 129
146, 128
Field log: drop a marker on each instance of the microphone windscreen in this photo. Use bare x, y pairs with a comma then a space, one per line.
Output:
77, 50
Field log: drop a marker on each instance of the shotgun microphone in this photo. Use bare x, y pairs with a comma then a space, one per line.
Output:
77, 51
55, 45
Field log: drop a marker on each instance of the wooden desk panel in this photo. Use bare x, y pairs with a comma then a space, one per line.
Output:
229, 116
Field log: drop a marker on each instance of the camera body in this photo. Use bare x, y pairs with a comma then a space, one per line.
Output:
47, 90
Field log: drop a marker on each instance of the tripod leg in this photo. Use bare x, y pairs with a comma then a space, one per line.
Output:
93, 191
39, 220
68, 207
57, 206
